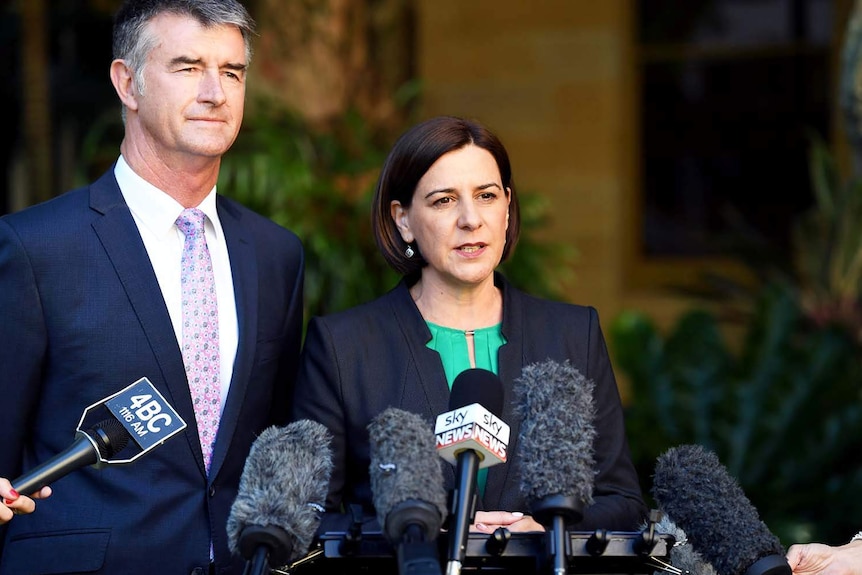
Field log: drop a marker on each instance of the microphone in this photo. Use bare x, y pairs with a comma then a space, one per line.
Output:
281, 493
407, 488
102, 441
472, 436
138, 413
556, 407
694, 488
684, 560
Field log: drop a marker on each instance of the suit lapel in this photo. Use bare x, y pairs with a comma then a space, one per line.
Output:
510, 358
118, 234
429, 369
430, 376
243, 265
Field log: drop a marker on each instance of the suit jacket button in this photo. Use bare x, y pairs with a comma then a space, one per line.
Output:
212, 490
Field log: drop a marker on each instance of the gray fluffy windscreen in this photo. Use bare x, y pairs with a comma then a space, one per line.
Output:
404, 443
287, 469
557, 411
682, 554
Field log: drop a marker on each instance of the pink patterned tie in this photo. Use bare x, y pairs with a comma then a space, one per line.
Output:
200, 329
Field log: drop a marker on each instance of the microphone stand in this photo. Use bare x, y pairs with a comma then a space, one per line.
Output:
259, 544
412, 527
554, 512
259, 562
463, 510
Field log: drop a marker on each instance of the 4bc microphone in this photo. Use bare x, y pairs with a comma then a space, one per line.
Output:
102, 441
472, 436
138, 413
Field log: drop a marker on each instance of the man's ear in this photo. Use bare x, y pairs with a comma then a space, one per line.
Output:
123, 80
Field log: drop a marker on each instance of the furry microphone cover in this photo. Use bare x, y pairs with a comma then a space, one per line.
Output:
284, 484
404, 464
694, 488
556, 407
682, 555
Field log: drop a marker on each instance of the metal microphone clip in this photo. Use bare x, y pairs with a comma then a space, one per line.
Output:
648, 538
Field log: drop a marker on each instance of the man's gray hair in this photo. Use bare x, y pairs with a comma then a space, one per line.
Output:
132, 40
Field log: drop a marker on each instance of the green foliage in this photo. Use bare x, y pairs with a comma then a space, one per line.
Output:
784, 411
540, 267
318, 185
828, 242
783, 414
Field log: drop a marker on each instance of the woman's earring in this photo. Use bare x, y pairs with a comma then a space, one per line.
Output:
409, 251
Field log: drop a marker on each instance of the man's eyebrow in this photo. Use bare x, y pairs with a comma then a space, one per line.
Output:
236, 66
186, 60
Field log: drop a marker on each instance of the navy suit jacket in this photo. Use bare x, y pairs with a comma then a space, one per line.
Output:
81, 317
358, 362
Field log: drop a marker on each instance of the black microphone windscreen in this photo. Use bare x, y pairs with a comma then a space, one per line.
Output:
557, 411
477, 386
102, 440
694, 488
682, 555
405, 466
284, 484
110, 437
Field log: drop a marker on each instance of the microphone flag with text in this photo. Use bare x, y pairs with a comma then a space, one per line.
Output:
697, 492
557, 432
137, 413
472, 436
281, 495
407, 488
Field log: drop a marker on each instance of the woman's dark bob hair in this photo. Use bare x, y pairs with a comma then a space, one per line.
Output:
411, 156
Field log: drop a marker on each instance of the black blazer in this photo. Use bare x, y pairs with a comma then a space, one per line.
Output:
358, 362
81, 317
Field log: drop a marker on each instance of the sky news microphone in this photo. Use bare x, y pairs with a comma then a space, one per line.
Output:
555, 404
693, 488
472, 436
407, 488
138, 412
281, 495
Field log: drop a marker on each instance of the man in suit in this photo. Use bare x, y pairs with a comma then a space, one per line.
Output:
93, 297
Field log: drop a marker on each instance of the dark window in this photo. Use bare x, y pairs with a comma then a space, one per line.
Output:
731, 91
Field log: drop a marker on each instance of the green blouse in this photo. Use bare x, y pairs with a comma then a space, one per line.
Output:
451, 344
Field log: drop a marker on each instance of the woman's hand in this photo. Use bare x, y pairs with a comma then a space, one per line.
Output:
16, 504
819, 559
516, 522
